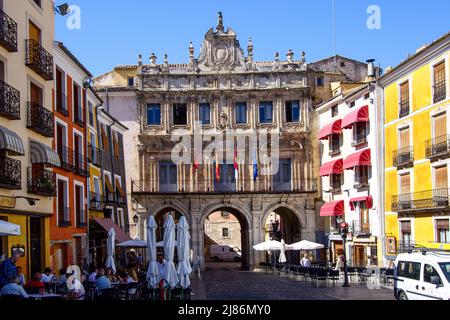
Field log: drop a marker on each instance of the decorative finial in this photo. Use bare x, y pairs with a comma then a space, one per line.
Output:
153, 59
277, 56
140, 60
290, 55
250, 50
166, 60
191, 52
220, 22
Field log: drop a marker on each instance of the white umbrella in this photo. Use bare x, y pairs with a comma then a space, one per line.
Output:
133, 244
160, 244
110, 247
282, 258
153, 276
169, 250
270, 245
184, 268
305, 245
9, 229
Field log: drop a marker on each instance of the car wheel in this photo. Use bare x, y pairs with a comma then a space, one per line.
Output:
402, 296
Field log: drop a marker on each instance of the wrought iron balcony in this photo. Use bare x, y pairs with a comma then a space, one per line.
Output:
440, 92
61, 104
64, 217
359, 228
242, 186
404, 109
9, 101
96, 201
41, 182
39, 59
40, 119
8, 32
67, 156
81, 166
438, 147
10, 173
95, 156
404, 247
431, 199
403, 157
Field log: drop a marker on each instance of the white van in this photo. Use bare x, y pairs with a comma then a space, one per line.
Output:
224, 253
422, 276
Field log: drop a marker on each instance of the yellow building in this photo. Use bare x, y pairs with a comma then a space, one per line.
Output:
27, 183
417, 150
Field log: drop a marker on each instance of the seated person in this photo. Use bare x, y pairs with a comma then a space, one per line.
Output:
20, 277
76, 292
110, 275
36, 284
62, 281
13, 288
102, 281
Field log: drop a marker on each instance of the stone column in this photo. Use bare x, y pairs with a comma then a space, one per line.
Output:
257, 236
197, 238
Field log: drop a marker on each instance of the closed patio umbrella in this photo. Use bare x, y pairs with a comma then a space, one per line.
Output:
282, 258
171, 275
153, 276
110, 247
184, 268
9, 229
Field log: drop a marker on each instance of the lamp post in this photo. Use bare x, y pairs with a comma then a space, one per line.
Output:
344, 230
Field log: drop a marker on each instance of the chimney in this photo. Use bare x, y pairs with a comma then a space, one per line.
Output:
370, 70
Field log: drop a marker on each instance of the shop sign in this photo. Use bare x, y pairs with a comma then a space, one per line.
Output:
7, 202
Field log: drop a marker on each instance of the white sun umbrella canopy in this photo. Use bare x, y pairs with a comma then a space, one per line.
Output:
133, 244
270, 245
9, 229
282, 258
305, 245
110, 248
171, 275
184, 268
153, 276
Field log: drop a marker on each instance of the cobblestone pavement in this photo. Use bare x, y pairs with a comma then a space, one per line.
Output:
225, 281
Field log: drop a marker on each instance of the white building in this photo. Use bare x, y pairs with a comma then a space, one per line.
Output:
349, 162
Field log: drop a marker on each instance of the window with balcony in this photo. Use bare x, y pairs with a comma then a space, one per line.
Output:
63, 204
77, 105
204, 110
80, 158
405, 233
404, 156
61, 93
336, 183
439, 85
65, 154
153, 114
266, 112
39, 118
283, 178
334, 144
440, 191
361, 176
439, 145
37, 58
9, 98
91, 113
404, 99
104, 138
8, 32
364, 218
241, 112
359, 133
80, 213
404, 198
167, 177
96, 197
292, 109
442, 231
10, 172
179, 116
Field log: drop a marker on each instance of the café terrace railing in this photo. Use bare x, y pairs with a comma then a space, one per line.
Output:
211, 186
431, 199
438, 147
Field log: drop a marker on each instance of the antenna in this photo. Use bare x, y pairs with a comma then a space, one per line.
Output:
334, 35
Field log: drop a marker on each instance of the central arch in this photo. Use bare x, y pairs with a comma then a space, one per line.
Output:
244, 219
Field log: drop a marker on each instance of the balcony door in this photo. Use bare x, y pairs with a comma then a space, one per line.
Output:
440, 142
404, 155
63, 205
282, 179
36, 95
61, 134
440, 191
79, 195
60, 94
167, 177
405, 191
227, 182
34, 33
78, 148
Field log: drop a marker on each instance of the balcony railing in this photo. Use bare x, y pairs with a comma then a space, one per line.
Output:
96, 201
9, 101
359, 228
39, 59
10, 173
79, 118
95, 156
61, 104
404, 247
81, 166
431, 199
440, 92
64, 217
40, 119
404, 109
67, 156
41, 182
403, 157
438, 147
8, 32
211, 186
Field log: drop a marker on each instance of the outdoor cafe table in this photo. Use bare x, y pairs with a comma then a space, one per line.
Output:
46, 296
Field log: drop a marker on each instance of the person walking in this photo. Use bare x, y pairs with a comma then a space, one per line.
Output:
8, 269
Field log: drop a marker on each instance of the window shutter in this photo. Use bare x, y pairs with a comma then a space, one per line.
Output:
404, 138
116, 145
442, 224
406, 226
105, 140
439, 73
404, 91
441, 178
405, 183
440, 125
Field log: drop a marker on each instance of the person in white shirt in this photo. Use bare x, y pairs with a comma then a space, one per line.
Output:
305, 262
93, 276
48, 276
13, 289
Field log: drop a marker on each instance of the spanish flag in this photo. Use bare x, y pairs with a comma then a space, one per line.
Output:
216, 164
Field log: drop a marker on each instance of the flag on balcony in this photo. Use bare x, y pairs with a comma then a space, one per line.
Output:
236, 166
196, 166
255, 167
216, 165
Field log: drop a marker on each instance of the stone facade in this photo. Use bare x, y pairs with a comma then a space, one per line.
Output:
214, 229
164, 104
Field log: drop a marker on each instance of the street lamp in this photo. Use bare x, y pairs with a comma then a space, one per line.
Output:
63, 9
343, 226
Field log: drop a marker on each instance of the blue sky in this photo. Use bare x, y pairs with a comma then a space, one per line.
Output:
115, 32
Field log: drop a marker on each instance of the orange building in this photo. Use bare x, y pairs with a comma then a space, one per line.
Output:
68, 231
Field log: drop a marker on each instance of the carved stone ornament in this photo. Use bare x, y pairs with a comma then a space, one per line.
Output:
223, 121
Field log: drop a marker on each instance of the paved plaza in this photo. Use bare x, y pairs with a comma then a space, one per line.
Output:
225, 281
